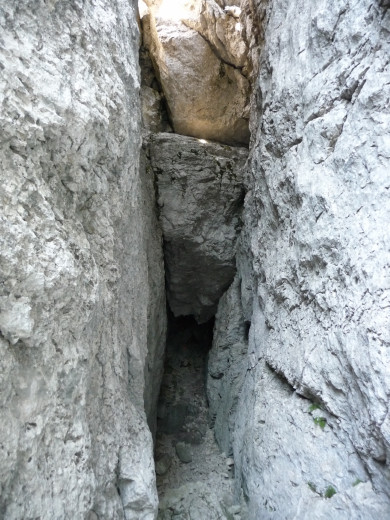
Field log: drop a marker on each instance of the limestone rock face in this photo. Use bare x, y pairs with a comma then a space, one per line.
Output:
313, 409
154, 117
200, 192
151, 109
227, 365
81, 266
201, 76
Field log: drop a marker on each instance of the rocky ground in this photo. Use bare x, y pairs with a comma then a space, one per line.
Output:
194, 479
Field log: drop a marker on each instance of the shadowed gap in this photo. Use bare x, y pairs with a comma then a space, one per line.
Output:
182, 413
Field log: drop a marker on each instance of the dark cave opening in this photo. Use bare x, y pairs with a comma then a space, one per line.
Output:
182, 412
188, 344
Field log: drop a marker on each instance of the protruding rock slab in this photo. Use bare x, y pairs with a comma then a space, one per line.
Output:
227, 363
200, 195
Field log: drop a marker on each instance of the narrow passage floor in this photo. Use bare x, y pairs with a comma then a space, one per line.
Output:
194, 480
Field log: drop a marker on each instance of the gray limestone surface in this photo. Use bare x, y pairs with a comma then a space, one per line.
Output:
312, 417
200, 193
227, 362
298, 377
82, 283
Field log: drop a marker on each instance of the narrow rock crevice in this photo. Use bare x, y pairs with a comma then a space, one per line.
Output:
279, 270
193, 476
200, 194
182, 400
120, 201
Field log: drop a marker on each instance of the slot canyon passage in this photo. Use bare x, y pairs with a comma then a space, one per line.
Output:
194, 259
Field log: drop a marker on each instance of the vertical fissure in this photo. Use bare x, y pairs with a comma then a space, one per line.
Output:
193, 475
195, 105
182, 413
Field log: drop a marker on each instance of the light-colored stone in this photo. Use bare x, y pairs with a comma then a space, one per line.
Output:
81, 266
206, 92
200, 194
184, 452
226, 365
223, 31
151, 109
300, 399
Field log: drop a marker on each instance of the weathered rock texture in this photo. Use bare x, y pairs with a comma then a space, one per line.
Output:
82, 297
299, 378
313, 409
226, 365
200, 54
200, 194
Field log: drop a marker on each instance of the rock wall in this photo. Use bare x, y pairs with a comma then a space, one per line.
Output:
310, 433
82, 286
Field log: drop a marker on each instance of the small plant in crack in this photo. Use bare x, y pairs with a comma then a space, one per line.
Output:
357, 481
329, 492
320, 421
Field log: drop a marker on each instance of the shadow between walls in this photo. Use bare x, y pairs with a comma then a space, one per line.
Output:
182, 412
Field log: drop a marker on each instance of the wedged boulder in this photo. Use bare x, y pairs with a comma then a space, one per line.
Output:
206, 91
200, 194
